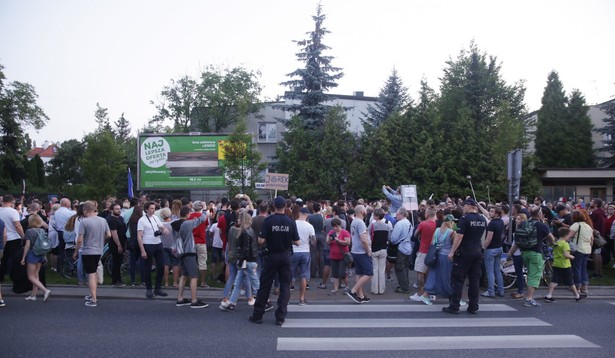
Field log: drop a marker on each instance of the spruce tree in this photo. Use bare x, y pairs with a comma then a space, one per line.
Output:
551, 131
392, 98
608, 132
579, 141
309, 85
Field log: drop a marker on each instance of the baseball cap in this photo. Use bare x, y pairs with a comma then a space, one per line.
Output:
470, 202
449, 217
304, 211
197, 205
279, 202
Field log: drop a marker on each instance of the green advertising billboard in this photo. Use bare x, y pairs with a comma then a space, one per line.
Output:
180, 161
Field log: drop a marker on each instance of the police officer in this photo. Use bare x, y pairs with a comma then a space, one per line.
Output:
467, 257
279, 233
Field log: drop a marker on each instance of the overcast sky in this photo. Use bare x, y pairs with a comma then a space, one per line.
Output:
121, 53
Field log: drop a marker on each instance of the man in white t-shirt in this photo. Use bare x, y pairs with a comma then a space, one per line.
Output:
149, 231
14, 233
300, 263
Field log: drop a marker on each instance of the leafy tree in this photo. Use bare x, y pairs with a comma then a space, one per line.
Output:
392, 98
226, 98
18, 111
65, 168
218, 100
309, 85
551, 129
580, 128
608, 131
242, 162
102, 162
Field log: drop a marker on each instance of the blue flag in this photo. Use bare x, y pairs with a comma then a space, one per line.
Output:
130, 193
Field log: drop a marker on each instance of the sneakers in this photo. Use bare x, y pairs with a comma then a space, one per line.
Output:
333, 293
353, 296
251, 301
227, 308
425, 300
119, 284
160, 293
90, 304
401, 290
302, 302
516, 295
581, 297
199, 304
2, 304
414, 285
415, 298
225, 304
389, 278
432, 297
463, 303
531, 303
88, 298
322, 285
279, 322
487, 294
257, 320
46, 295
549, 299
31, 298
449, 310
149, 294
365, 299
268, 307
183, 302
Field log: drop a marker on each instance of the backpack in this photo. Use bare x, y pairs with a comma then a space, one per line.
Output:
42, 245
526, 235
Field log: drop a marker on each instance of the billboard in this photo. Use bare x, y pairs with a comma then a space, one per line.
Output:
180, 161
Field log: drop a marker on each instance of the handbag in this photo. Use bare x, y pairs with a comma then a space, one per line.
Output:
574, 247
348, 258
599, 241
431, 259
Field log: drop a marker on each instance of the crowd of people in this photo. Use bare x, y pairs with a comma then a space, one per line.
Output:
262, 248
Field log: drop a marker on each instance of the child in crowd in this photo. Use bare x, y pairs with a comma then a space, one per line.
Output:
562, 271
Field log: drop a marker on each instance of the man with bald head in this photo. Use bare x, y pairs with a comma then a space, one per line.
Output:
61, 216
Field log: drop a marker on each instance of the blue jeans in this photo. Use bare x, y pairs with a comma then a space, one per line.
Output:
579, 268
232, 274
135, 263
492, 268
250, 281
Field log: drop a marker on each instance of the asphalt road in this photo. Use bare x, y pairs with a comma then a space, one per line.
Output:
64, 327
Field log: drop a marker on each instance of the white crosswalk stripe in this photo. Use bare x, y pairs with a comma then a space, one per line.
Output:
298, 319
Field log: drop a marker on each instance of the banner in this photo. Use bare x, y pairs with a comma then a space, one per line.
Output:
182, 161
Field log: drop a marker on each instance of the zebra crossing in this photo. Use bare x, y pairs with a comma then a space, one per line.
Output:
354, 317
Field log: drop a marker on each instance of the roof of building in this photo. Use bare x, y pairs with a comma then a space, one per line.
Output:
49, 152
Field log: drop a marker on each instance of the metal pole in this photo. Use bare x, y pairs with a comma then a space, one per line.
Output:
471, 186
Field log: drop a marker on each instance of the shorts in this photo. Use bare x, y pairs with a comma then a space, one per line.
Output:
563, 276
533, 261
363, 265
300, 265
189, 267
31, 258
201, 256
168, 257
419, 263
216, 255
90, 263
338, 269
326, 260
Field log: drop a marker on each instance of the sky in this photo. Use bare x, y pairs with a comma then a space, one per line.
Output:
121, 53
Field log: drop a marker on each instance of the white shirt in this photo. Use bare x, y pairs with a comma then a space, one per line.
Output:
217, 239
148, 227
305, 230
61, 216
9, 216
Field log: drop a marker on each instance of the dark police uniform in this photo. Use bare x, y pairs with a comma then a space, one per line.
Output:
468, 260
279, 231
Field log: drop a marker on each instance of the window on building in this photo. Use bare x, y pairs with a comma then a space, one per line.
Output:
267, 132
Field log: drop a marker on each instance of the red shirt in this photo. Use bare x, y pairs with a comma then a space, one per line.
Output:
426, 229
338, 250
199, 231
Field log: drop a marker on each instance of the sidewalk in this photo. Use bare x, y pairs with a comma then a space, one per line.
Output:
313, 295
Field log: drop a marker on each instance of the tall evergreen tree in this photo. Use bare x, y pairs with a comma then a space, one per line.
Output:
122, 129
608, 132
551, 131
579, 139
102, 119
309, 85
392, 98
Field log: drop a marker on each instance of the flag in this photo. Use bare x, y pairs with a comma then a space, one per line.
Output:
130, 193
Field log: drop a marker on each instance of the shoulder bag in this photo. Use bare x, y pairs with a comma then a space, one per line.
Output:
431, 259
